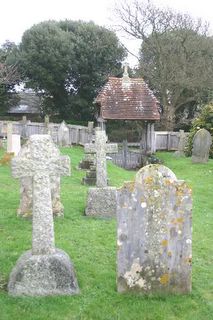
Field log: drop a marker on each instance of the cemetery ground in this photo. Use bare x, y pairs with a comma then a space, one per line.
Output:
91, 245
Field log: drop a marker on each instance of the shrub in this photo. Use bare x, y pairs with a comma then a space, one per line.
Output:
205, 120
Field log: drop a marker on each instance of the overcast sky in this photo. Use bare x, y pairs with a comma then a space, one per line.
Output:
19, 15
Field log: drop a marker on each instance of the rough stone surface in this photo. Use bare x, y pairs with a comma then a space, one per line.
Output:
26, 191
154, 236
100, 148
181, 144
41, 275
101, 202
63, 135
43, 161
201, 146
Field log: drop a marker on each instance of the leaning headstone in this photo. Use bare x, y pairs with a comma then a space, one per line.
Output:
154, 233
101, 201
181, 144
63, 135
44, 270
201, 145
26, 191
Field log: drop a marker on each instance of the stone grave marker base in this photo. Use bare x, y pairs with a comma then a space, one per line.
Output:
101, 202
43, 275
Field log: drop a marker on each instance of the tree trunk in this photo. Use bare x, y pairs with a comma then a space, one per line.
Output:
167, 122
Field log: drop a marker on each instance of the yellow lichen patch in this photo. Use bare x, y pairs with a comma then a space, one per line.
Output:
164, 279
7, 158
130, 186
177, 220
162, 215
164, 242
188, 260
169, 253
168, 182
148, 180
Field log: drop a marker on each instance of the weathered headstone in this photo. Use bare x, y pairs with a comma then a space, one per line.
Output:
26, 190
9, 137
154, 235
16, 143
44, 270
101, 200
46, 124
13, 140
181, 144
24, 131
201, 145
63, 135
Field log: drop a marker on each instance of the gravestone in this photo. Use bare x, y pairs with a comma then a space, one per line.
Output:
63, 135
44, 270
24, 131
9, 137
26, 191
47, 124
101, 201
201, 145
154, 233
181, 144
16, 144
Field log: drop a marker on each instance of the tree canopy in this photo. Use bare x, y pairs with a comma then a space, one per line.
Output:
176, 56
67, 62
9, 77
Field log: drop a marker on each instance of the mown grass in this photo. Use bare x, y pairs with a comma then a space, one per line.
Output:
91, 244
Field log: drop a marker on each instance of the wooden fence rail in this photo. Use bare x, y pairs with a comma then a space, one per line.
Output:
77, 134
164, 140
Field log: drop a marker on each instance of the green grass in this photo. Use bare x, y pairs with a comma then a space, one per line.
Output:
91, 244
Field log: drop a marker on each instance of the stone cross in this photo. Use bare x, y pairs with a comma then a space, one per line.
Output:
44, 160
201, 145
101, 148
154, 236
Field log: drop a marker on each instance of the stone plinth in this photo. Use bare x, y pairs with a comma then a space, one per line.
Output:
101, 202
42, 275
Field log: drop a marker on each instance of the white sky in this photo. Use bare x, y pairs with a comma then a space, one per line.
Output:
16, 16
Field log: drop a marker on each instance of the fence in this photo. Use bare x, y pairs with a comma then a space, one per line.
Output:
77, 134
165, 140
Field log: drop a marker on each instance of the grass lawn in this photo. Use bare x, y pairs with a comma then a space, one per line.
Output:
91, 244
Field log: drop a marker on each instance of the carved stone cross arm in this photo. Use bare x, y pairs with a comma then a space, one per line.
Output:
90, 148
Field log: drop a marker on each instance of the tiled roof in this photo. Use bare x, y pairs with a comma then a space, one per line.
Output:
127, 99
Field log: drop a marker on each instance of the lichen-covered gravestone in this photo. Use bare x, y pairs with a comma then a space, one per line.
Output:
44, 270
26, 191
201, 145
101, 200
154, 235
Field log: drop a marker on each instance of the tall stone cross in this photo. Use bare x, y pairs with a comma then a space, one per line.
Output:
43, 161
101, 148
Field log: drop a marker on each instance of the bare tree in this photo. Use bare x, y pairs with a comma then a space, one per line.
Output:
175, 55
